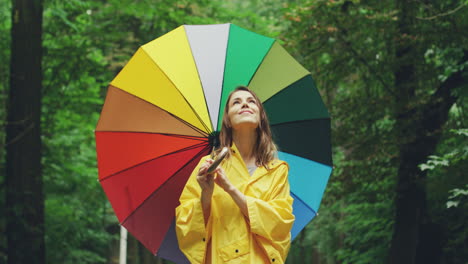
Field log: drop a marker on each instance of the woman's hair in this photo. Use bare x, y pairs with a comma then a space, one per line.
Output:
265, 149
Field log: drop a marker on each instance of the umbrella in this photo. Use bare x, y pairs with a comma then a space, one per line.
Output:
163, 110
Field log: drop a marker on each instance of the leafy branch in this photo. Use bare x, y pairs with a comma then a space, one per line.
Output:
450, 12
458, 154
456, 193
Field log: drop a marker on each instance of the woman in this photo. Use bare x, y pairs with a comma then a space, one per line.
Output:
241, 213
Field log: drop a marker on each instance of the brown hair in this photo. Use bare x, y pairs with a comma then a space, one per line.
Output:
265, 149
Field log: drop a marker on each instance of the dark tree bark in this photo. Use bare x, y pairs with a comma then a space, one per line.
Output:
24, 195
415, 237
419, 125
410, 193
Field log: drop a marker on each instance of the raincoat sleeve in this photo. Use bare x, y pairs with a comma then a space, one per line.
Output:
190, 224
271, 219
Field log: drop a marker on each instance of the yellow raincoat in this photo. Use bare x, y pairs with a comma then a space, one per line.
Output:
265, 239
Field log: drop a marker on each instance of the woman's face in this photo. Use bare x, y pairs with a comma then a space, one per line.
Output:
243, 110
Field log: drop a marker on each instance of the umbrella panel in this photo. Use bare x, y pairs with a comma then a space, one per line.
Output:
307, 197
309, 139
278, 70
118, 151
150, 222
169, 248
128, 189
302, 101
303, 214
126, 112
315, 174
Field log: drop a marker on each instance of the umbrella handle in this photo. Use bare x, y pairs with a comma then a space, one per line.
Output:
218, 160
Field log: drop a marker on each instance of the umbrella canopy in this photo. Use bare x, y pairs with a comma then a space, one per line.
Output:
162, 110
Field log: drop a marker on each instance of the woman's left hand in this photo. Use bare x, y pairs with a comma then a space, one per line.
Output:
221, 179
239, 198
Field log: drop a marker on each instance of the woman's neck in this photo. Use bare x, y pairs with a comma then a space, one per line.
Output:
245, 143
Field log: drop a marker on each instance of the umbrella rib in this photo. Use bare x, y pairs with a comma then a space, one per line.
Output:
174, 152
162, 185
190, 125
258, 66
193, 110
156, 133
283, 90
304, 203
299, 121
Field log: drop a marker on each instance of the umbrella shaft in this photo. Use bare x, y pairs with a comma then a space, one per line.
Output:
123, 245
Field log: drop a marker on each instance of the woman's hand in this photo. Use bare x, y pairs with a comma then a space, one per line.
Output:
205, 180
222, 180
239, 198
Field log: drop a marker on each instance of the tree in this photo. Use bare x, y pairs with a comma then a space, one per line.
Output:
419, 125
25, 199
5, 32
391, 71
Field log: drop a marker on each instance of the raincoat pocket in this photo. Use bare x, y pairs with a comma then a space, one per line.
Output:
234, 250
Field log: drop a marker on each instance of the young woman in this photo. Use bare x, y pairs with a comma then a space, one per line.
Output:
241, 213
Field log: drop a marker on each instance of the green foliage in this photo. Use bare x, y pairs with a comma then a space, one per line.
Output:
447, 190
77, 214
446, 59
456, 155
349, 47
456, 196
363, 211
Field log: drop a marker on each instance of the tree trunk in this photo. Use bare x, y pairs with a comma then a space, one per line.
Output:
419, 128
24, 195
410, 193
316, 257
414, 233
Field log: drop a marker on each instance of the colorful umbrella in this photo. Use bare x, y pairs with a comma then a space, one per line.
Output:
164, 108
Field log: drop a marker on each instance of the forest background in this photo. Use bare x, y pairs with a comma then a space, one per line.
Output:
392, 73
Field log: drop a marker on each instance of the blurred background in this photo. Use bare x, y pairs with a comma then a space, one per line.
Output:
393, 74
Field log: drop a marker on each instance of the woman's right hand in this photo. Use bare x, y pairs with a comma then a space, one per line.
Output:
206, 181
